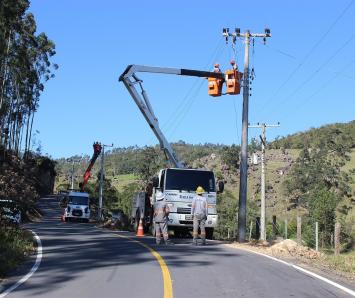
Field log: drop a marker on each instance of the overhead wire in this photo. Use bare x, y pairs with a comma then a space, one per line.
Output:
184, 104
284, 53
305, 58
189, 104
313, 74
176, 111
302, 103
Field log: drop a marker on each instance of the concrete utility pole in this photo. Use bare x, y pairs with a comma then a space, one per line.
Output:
102, 180
244, 143
73, 161
262, 198
72, 175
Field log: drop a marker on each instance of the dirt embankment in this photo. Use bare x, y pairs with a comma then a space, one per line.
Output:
25, 180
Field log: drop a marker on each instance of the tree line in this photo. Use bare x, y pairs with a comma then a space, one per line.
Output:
25, 65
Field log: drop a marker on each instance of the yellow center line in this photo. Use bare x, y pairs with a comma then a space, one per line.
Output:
168, 287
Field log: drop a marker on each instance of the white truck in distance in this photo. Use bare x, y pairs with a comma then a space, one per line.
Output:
77, 206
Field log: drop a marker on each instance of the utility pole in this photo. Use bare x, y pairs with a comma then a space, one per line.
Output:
73, 161
72, 175
263, 127
244, 142
102, 180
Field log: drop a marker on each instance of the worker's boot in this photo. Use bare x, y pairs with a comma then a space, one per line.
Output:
203, 241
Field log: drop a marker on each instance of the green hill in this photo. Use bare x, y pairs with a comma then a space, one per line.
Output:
325, 154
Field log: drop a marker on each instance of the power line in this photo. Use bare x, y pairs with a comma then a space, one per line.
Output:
185, 110
324, 85
185, 104
309, 78
181, 106
273, 96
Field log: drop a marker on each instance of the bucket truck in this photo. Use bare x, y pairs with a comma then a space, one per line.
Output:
177, 183
77, 203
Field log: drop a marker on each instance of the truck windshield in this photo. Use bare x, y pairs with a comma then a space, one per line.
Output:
78, 200
189, 180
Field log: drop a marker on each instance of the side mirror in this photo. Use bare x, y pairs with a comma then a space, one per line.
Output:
155, 181
220, 186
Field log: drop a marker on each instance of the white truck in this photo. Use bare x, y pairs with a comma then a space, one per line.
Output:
177, 183
77, 206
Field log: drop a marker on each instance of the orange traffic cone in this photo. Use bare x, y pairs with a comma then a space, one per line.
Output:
140, 231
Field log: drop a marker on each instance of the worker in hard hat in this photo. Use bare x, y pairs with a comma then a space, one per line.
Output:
199, 212
161, 212
216, 68
234, 65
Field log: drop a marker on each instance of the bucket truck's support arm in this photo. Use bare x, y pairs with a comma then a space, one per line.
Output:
97, 151
130, 79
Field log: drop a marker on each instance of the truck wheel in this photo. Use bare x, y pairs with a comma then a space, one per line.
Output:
209, 233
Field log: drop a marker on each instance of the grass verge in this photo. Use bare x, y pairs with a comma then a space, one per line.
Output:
15, 245
344, 262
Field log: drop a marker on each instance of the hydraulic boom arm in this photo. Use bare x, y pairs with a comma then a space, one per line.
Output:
97, 150
130, 79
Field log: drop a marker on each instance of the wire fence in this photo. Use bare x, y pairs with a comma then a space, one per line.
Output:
330, 236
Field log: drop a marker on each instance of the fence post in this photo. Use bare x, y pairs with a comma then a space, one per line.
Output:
228, 233
299, 230
257, 228
337, 239
286, 228
317, 247
274, 227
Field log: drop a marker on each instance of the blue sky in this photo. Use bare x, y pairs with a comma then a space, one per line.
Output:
305, 74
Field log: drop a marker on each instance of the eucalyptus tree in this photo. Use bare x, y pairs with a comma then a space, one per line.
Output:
25, 65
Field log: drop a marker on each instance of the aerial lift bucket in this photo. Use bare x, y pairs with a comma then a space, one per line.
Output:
233, 79
215, 87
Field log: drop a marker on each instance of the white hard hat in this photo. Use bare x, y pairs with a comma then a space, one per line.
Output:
159, 196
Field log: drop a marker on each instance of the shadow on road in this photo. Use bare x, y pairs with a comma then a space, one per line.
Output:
70, 250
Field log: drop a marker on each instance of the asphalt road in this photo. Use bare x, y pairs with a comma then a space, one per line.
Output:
80, 260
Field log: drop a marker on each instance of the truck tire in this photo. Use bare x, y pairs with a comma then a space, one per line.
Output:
209, 233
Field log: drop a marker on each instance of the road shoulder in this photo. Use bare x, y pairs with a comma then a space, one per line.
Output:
23, 272
346, 280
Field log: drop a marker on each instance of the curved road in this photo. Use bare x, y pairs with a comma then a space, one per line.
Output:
80, 260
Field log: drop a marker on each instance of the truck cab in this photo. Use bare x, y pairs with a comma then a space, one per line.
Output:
77, 206
179, 186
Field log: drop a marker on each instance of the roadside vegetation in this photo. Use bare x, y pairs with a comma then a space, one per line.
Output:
343, 262
15, 245
25, 175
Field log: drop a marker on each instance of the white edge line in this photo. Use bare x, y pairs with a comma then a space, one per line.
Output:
347, 290
32, 271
